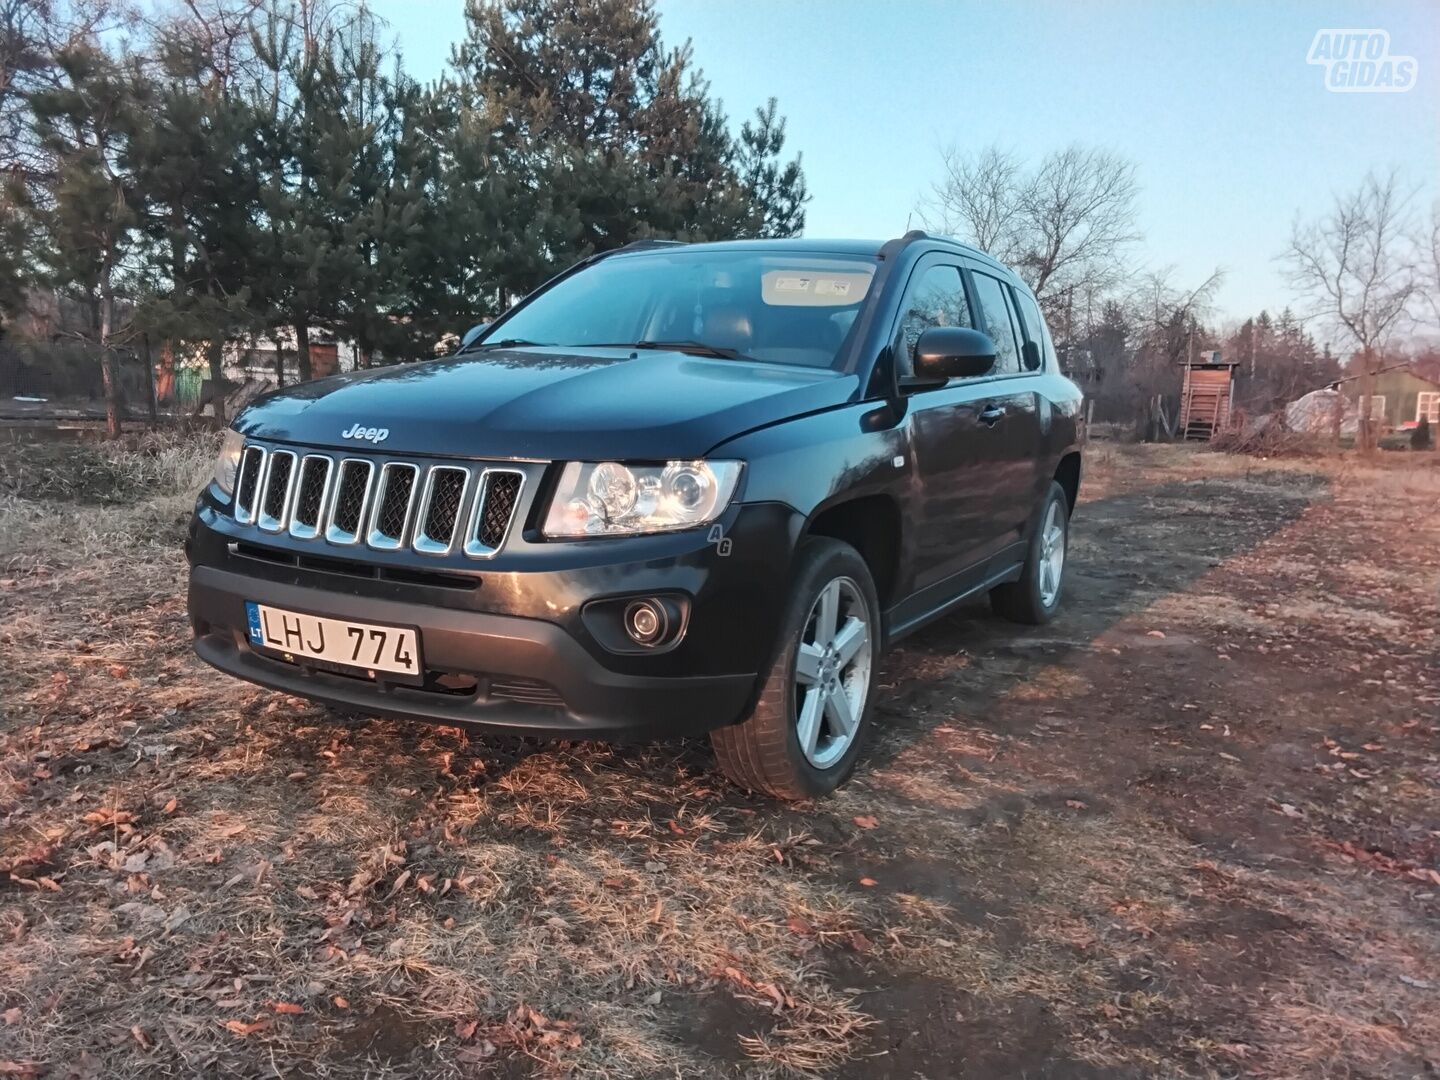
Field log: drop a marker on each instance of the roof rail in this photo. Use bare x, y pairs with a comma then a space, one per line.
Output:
891, 248
645, 245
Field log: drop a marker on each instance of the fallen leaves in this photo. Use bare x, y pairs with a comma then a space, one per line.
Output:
770, 994
243, 1029
866, 821
1385, 864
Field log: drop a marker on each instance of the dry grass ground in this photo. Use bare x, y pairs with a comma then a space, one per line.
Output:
1190, 829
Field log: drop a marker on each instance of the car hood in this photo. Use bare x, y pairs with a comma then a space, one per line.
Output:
548, 404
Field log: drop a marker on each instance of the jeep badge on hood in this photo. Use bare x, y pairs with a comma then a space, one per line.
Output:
367, 434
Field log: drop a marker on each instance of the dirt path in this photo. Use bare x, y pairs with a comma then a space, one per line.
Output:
1190, 829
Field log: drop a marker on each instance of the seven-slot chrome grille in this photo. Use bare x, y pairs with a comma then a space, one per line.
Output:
385, 505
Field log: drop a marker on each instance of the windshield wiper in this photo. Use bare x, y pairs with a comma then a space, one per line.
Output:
691, 348
503, 343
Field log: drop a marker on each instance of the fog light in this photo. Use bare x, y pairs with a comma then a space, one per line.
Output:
646, 622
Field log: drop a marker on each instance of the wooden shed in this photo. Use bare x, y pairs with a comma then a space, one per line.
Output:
1206, 398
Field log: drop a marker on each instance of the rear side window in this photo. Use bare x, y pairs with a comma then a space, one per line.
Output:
1035, 330
998, 324
936, 298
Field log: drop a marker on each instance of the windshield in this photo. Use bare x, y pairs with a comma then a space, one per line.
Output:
782, 308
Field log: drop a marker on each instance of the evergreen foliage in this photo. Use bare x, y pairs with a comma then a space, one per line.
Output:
250, 169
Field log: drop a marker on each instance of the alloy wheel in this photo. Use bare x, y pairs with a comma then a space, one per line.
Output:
832, 673
1052, 555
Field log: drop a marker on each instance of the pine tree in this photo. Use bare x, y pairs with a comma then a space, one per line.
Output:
302, 150
200, 203
611, 136
90, 224
777, 191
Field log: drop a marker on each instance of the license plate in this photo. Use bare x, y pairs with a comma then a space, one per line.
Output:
394, 650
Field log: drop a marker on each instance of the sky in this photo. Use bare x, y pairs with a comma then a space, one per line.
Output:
1233, 133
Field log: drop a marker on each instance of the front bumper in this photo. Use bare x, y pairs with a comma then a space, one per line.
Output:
519, 638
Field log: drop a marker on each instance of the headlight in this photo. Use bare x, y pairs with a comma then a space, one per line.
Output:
610, 499
228, 463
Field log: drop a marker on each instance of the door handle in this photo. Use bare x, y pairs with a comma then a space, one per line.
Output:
992, 414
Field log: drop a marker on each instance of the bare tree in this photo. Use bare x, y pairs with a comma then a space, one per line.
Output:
1355, 268
1169, 315
1065, 225
1430, 293
979, 199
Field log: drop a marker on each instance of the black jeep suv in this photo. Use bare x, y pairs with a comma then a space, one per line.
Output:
678, 489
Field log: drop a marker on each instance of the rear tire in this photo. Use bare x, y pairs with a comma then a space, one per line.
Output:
812, 715
1035, 598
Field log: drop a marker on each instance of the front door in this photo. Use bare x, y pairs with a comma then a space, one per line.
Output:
954, 437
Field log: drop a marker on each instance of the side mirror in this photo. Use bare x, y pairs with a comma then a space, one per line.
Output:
951, 352
471, 334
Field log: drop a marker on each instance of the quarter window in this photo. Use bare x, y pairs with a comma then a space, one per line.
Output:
998, 323
936, 299
1035, 329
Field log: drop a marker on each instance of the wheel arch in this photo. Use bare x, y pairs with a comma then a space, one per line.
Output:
1067, 475
871, 524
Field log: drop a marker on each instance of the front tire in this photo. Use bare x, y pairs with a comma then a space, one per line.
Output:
812, 715
1035, 598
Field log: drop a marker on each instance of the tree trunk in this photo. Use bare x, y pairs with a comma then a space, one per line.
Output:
302, 350
150, 385
1365, 433
107, 360
215, 354
279, 358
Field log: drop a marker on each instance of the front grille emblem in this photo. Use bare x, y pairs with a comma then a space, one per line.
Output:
366, 434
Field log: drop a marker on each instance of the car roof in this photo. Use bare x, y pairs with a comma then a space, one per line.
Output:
816, 246
809, 245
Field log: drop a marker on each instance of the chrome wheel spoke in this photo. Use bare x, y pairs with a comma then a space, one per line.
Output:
827, 613
841, 711
1052, 555
807, 664
807, 728
853, 637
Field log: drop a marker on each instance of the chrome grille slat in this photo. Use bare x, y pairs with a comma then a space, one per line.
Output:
393, 503
497, 497
351, 501
247, 485
276, 491
435, 509
311, 488
438, 516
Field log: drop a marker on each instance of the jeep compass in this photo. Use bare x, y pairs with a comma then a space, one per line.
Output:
680, 488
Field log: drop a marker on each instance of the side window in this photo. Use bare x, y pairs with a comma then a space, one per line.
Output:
1036, 333
998, 323
936, 298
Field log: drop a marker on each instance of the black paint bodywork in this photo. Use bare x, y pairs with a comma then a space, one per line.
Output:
942, 484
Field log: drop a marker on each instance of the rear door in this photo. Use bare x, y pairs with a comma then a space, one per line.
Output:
1037, 356
1014, 406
